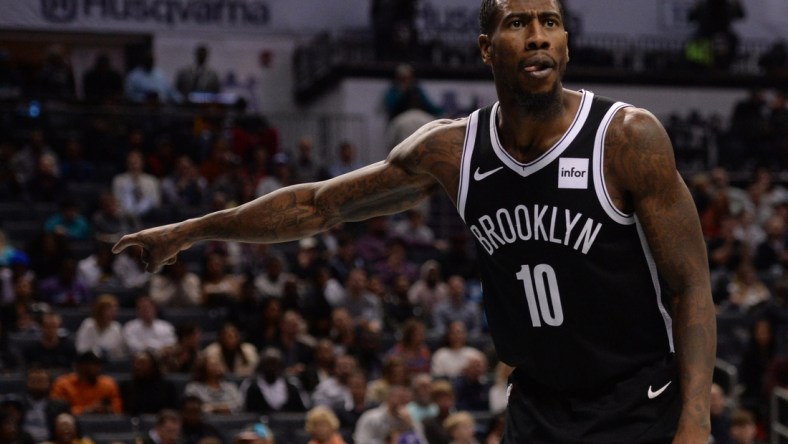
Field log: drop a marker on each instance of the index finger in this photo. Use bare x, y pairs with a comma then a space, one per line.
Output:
126, 241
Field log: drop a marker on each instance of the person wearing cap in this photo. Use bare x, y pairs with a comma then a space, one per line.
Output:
86, 389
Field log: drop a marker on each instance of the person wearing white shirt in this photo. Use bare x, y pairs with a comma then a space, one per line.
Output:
146, 332
138, 192
101, 330
449, 360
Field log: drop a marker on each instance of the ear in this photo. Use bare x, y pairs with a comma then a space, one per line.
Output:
567, 45
485, 48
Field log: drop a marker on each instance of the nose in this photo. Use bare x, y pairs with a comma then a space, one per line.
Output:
537, 37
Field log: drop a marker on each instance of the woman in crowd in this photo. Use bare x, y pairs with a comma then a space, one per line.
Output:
239, 358
101, 330
322, 425
208, 382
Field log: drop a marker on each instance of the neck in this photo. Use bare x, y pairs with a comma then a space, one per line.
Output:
529, 125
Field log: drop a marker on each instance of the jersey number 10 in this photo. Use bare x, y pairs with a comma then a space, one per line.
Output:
541, 292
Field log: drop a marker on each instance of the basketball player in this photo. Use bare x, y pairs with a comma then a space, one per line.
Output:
594, 270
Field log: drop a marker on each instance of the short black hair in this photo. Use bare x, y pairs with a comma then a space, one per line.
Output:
489, 11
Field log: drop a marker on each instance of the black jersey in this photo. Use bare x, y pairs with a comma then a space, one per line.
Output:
571, 291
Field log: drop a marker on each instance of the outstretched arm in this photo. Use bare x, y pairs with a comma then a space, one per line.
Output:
297, 211
646, 171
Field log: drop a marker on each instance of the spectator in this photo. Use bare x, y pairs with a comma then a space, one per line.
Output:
472, 387
342, 333
394, 373
350, 412
176, 287
756, 359
45, 185
281, 175
56, 80
65, 289
39, 409
271, 283
362, 305
405, 93
194, 428
393, 28
713, 19
746, 290
199, 77
146, 331
449, 360
220, 288
101, 331
262, 329
167, 429
74, 168
47, 252
146, 83
138, 193
111, 221
219, 395
720, 416
397, 308
270, 391
346, 161
184, 187
87, 390
443, 396
10, 430
461, 428
771, 255
102, 82
422, 405
238, 358
296, 346
97, 269
68, 222
743, 428
414, 230
307, 167
323, 426
456, 308
147, 392
334, 391
346, 259
321, 367
53, 351
411, 347
26, 160
67, 431
495, 429
181, 357
396, 262
374, 425
430, 289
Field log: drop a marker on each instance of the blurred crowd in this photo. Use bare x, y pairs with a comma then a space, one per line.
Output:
372, 332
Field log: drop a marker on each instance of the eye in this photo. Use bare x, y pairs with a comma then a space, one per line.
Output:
517, 23
550, 23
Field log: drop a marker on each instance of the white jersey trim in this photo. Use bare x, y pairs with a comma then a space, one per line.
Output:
526, 169
599, 171
652, 266
465, 168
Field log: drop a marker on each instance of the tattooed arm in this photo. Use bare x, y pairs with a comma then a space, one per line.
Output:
408, 176
645, 173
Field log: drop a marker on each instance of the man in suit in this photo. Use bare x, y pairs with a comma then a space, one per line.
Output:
39, 410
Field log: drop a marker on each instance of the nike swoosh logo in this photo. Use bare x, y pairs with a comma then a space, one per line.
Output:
478, 175
653, 394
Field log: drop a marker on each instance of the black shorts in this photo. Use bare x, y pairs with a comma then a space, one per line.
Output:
643, 409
